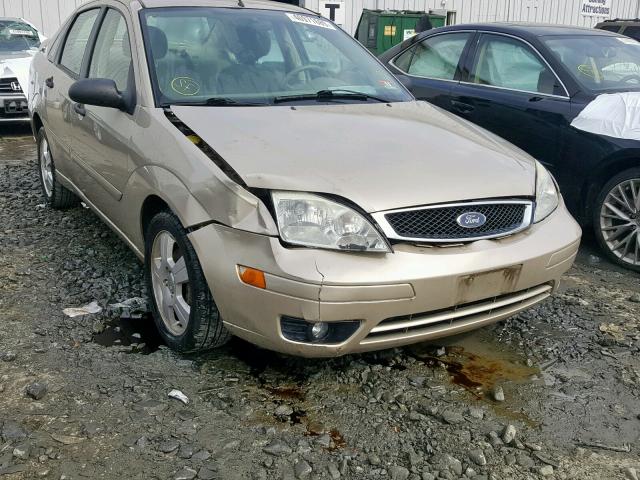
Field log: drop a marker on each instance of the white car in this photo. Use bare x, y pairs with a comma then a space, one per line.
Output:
19, 41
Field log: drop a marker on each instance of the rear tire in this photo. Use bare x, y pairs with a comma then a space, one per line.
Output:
183, 308
616, 219
56, 195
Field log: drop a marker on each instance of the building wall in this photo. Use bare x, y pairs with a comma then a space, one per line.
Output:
566, 12
49, 14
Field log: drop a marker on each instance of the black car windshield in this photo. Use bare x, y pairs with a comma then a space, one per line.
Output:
16, 36
599, 62
234, 57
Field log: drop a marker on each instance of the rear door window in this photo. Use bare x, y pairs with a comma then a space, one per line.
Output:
77, 40
611, 28
632, 31
435, 57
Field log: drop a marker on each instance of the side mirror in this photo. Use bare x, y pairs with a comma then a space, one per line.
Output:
100, 92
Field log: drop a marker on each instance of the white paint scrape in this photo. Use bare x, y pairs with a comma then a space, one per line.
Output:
612, 114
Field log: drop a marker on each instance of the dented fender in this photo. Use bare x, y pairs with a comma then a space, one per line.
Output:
209, 205
153, 180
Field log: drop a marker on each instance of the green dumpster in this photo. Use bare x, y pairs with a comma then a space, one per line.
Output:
379, 30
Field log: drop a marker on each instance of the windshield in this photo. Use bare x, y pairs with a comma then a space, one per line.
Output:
599, 62
17, 36
248, 56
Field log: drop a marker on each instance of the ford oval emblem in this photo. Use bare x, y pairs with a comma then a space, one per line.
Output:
471, 220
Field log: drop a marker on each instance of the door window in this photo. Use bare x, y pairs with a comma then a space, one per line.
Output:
77, 40
435, 57
633, 32
509, 63
611, 28
112, 54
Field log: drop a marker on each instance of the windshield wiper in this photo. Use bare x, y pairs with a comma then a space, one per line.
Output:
218, 102
328, 95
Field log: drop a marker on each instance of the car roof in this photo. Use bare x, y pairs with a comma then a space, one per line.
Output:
259, 4
615, 21
13, 19
525, 29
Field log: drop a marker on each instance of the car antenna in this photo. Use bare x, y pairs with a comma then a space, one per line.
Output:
240, 3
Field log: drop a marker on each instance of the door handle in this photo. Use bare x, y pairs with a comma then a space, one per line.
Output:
49, 82
462, 107
79, 109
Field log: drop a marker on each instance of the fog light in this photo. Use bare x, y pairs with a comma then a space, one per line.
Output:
326, 333
318, 331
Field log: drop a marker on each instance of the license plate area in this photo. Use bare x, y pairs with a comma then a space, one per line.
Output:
484, 285
17, 106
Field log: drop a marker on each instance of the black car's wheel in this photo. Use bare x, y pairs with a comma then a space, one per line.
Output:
57, 196
616, 219
182, 305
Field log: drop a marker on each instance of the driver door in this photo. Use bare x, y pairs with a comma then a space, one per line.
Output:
511, 91
102, 137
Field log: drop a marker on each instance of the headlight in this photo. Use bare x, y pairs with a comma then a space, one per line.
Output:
314, 221
546, 194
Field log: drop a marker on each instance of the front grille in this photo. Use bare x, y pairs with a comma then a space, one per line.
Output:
461, 317
7, 86
440, 223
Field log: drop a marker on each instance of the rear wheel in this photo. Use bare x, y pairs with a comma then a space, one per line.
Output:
182, 305
617, 219
57, 196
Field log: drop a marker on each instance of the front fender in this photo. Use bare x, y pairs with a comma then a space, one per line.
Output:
154, 180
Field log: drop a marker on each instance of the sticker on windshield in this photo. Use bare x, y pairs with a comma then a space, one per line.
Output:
185, 86
310, 20
628, 41
23, 33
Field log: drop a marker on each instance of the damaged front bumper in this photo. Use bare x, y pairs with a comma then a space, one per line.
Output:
414, 294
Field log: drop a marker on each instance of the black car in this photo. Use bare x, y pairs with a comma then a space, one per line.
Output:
527, 83
628, 28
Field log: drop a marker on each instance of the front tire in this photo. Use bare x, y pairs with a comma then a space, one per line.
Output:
183, 308
56, 195
616, 219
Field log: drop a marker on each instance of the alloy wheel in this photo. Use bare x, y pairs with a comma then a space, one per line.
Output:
620, 221
46, 168
170, 281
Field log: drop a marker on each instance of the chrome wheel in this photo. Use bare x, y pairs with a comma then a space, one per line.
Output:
620, 221
46, 168
170, 282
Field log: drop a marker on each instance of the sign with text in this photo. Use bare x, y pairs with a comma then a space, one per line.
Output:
596, 8
334, 11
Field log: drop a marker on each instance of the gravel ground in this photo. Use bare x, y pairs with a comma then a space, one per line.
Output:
552, 393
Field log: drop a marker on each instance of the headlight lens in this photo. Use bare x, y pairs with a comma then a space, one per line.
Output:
314, 221
546, 194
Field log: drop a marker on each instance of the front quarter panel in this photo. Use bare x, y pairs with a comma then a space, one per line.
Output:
166, 164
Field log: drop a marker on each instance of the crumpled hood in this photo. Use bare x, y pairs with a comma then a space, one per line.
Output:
17, 65
381, 157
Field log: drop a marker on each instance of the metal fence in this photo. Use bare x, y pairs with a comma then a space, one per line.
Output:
49, 14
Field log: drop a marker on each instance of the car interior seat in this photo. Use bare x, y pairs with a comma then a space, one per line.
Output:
172, 65
246, 75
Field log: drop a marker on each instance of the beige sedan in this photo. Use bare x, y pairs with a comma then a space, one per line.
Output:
280, 185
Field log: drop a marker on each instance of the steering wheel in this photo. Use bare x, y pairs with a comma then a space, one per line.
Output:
303, 68
630, 77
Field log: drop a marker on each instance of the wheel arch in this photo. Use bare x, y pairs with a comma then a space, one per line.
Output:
151, 206
36, 124
597, 179
152, 189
